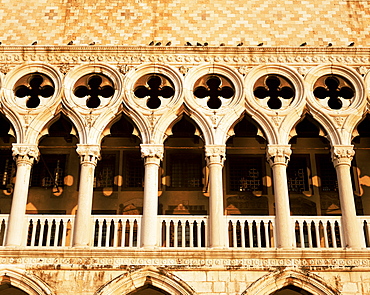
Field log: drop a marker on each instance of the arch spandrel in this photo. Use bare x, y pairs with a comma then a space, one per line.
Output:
272, 282
276, 120
132, 281
341, 121
25, 281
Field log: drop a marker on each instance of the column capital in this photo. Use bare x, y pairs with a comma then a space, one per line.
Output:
25, 153
215, 154
342, 154
89, 153
152, 151
278, 154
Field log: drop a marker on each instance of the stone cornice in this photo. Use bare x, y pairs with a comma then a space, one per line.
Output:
184, 54
175, 258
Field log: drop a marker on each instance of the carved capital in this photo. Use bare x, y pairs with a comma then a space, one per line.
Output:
215, 154
278, 154
342, 154
89, 153
25, 153
152, 151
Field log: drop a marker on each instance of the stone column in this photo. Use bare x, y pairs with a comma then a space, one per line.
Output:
25, 156
217, 226
89, 155
342, 157
278, 157
152, 154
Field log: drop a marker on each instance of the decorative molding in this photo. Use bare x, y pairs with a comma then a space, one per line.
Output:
342, 154
278, 154
25, 154
152, 151
89, 153
215, 154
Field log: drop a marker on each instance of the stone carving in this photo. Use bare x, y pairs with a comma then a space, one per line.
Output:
215, 154
152, 151
64, 68
244, 70
89, 153
342, 154
124, 69
183, 70
25, 154
278, 154
339, 121
4, 68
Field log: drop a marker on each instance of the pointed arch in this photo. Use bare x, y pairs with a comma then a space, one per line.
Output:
61, 116
277, 280
166, 125
25, 281
131, 281
122, 125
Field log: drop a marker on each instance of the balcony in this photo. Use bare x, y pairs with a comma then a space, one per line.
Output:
185, 231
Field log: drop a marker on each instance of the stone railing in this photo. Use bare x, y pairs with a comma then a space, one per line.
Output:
185, 231
318, 232
49, 230
251, 231
3, 226
116, 231
365, 223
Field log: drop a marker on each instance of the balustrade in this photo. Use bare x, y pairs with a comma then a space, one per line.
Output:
186, 231
365, 223
117, 231
183, 231
318, 232
49, 230
251, 231
3, 226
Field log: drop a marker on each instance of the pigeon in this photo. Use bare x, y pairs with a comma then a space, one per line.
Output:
260, 44
70, 43
168, 43
92, 43
34, 43
222, 44
330, 44
351, 44
151, 43
303, 44
240, 44
158, 44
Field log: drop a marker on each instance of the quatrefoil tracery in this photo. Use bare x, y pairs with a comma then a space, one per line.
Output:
215, 89
94, 87
155, 88
33, 87
337, 91
274, 89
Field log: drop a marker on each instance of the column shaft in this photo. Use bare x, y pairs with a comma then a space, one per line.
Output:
342, 157
24, 157
278, 157
217, 226
149, 223
82, 235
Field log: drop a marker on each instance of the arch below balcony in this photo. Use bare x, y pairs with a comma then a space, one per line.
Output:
273, 282
19, 279
159, 280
